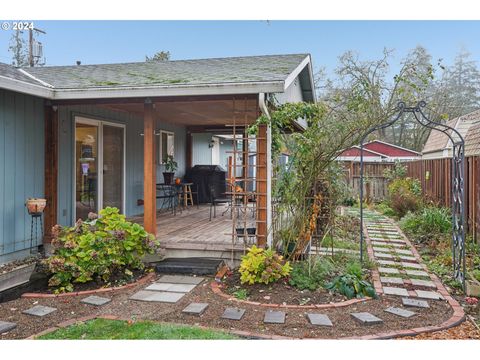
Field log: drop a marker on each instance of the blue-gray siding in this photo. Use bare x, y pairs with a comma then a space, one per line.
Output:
21, 168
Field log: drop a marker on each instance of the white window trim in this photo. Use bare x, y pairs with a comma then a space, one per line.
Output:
160, 147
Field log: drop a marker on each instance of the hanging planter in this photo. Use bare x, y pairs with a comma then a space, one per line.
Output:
36, 206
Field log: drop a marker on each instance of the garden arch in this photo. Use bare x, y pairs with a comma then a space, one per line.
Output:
457, 182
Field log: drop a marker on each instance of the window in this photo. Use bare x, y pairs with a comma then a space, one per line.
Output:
167, 145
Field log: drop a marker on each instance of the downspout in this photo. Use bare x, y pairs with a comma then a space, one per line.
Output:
263, 107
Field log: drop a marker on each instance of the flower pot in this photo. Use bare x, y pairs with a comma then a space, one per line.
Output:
17, 276
168, 177
35, 206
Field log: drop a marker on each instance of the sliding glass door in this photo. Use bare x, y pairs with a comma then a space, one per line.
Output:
99, 166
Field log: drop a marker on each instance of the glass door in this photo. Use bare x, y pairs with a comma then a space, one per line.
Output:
113, 166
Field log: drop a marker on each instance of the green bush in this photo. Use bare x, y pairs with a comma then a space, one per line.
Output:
305, 276
385, 209
262, 266
430, 223
351, 286
103, 247
405, 195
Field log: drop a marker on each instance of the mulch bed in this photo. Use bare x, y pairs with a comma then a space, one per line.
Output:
465, 331
296, 324
280, 292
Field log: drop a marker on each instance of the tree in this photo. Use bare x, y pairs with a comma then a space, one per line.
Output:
18, 48
159, 56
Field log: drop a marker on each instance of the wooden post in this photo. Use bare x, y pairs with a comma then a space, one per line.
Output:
262, 230
51, 170
149, 170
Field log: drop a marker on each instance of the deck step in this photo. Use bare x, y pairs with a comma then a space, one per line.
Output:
195, 266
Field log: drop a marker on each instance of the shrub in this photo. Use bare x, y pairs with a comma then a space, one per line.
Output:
385, 209
428, 224
351, 286
311, 276
101, 247
404, 195
262, 266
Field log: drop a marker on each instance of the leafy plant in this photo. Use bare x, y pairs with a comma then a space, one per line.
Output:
262, 266
170, 164
241, 294
305, 276
398, 171
351, 286
431, 223
101, 247
385, 209
405, 195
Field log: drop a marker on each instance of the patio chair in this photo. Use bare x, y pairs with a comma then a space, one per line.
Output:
217, 199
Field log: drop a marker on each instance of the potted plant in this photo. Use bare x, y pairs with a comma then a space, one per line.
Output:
35, 206
170, 167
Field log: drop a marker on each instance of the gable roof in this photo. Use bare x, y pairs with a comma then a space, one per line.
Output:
356, 151
390, 149
249, 74
472, 141
438, 141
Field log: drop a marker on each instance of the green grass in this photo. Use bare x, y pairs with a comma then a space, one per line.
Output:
103, 329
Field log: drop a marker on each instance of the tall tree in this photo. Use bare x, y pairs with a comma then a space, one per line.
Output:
159, 56
18, 48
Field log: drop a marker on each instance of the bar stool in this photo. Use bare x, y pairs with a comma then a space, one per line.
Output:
187, 194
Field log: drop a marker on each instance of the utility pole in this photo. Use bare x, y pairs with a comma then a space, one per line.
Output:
31, 59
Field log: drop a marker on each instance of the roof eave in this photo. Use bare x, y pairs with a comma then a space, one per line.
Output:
25, 88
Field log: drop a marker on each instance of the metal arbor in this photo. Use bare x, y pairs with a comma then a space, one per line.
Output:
457, 182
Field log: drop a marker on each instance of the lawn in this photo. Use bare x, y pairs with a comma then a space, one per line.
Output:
103, 329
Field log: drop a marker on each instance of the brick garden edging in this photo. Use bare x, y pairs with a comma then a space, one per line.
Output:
140, 281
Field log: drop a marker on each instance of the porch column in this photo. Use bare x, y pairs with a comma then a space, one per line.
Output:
262, 175
149, 170
51, 170
188, 149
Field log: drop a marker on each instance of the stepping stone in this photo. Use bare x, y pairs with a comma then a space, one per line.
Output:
380, 243
387, 262
195, 308
96, 300
404, 252
381, 249
180, 279
233, 313
383, 255
409, 258
387, 290
157, 296
411, 265
400, 312
426, 283
319, 320
415, 303
274, 317
181, 288
388, 270
6, 326
429, 295
391, 280
366, 318
39, 310
417, 273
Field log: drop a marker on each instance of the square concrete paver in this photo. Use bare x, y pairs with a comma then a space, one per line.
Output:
157, 296
96, 300
415, 303
366, 318
382, 249
408, 258
6, 326
391, 280
383, 255
388, 270
182, 288
274, 317
404, 252
195, 308
319, 319
181, 279
411, 265
429, 295
388, 262
417, 273
39, 310
426, 283
400, 312
233, 313
387, 290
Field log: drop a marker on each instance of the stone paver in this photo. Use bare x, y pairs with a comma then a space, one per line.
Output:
387, 290
388, 262
233, 313
274, 317
366, 318
381, 249
409, 258
429, 295
426, 283
6, 326
319, 319
404, 252
391, 280
417, 273
181, 279
400, 312
383, 255
157, 296
388, 270
181, 288
96, 300
195, 308
415, 303
411, 265
39, 310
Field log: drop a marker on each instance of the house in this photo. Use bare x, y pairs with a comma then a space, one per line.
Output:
378, 151
439, 145
89, 136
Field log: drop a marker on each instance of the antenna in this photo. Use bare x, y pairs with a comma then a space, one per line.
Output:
35, 48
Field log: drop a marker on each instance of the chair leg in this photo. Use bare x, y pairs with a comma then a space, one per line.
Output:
214, 211
210, 219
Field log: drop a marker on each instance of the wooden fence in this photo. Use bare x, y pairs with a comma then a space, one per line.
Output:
375, 184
